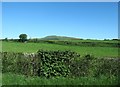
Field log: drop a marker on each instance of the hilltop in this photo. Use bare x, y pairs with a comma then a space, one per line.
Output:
54, 37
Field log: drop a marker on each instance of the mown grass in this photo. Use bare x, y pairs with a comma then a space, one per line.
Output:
34, 47
14, 79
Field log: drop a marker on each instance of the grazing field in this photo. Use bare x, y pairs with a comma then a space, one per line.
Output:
34, 47
89, 71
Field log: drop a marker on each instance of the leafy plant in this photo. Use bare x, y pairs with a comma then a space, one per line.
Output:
54, 63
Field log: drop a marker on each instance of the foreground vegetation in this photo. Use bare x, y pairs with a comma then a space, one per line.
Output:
61, 67
14, 79
64, 63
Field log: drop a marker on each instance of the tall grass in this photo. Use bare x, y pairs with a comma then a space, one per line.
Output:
0, 79
14, 79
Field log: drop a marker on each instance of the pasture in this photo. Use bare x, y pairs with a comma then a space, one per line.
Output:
34, 47
31, 47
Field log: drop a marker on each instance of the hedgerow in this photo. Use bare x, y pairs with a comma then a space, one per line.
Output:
58, 64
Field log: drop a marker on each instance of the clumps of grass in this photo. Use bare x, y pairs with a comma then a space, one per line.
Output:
14, 79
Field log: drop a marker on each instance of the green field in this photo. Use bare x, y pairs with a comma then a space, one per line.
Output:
34, 47
23, 80
31, 47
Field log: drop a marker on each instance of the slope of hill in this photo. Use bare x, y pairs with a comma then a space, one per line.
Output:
54, 37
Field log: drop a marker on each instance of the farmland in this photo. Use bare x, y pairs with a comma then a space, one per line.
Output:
88, 76
34, 47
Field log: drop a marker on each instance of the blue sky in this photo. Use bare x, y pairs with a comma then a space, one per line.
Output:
93, 20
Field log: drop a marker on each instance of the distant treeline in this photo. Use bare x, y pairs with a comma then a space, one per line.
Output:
74, 43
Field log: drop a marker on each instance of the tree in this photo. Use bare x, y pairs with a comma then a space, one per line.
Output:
6, 39
23, 37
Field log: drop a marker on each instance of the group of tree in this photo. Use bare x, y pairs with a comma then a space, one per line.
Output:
22, 38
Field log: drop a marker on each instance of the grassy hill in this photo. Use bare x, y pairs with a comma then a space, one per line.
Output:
54, 37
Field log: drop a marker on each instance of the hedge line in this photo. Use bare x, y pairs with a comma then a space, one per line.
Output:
58, 63
86, 44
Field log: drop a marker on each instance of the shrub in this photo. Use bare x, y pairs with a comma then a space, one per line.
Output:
82, 66
55, 63
106, 66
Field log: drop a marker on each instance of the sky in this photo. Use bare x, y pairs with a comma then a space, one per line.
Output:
87, 20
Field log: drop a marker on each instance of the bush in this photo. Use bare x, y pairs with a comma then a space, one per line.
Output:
81, 67
109, 66
55, 63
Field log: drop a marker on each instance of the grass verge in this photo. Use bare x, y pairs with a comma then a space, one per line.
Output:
14, 79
